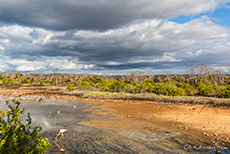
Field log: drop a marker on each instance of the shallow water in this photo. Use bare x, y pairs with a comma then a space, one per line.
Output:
54, 114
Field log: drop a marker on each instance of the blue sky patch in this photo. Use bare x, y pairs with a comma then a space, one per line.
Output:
220, 16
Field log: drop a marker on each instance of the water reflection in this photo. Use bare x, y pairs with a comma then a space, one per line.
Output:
61, 148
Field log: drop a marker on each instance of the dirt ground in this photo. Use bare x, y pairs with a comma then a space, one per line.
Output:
196, 124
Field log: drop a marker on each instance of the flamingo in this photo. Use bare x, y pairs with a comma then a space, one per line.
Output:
61, 131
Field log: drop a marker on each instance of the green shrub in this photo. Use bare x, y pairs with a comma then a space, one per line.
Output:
175, 91
138, 88
168, 89
84, 84
129, 88
25, 80
70, 87
104, 88
223, 92
15, 137
97, 80
148, 86
190, 90
8, 81
208, 91
116, 85
41, 82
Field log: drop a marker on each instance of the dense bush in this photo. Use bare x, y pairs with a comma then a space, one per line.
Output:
169, 89
189, 90
97, 80
84, 84
70, 87
17, 138
129, 88
116, 85
148, 86
8, 81
223, 92
208, 90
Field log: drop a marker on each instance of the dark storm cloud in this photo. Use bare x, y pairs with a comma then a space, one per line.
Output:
104, 51
140, 65
95, 14
117, 45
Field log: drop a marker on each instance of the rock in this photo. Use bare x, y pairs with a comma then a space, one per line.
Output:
204, 107
218, 152
40, 99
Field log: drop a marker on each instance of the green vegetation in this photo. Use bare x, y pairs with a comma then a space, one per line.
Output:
102, 94
70, 87
15, 137
200, 80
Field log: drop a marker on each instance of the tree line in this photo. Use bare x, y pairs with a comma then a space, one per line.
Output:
199, 80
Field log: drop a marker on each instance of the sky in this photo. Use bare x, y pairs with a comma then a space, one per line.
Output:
113, 37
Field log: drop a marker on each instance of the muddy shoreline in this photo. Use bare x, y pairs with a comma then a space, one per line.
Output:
49, 90
194, 124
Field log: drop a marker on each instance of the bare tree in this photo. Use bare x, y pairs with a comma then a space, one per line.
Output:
228, 68
200, 71
137, 75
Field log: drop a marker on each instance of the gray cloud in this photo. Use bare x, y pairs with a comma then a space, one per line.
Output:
153, 44
96, 15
